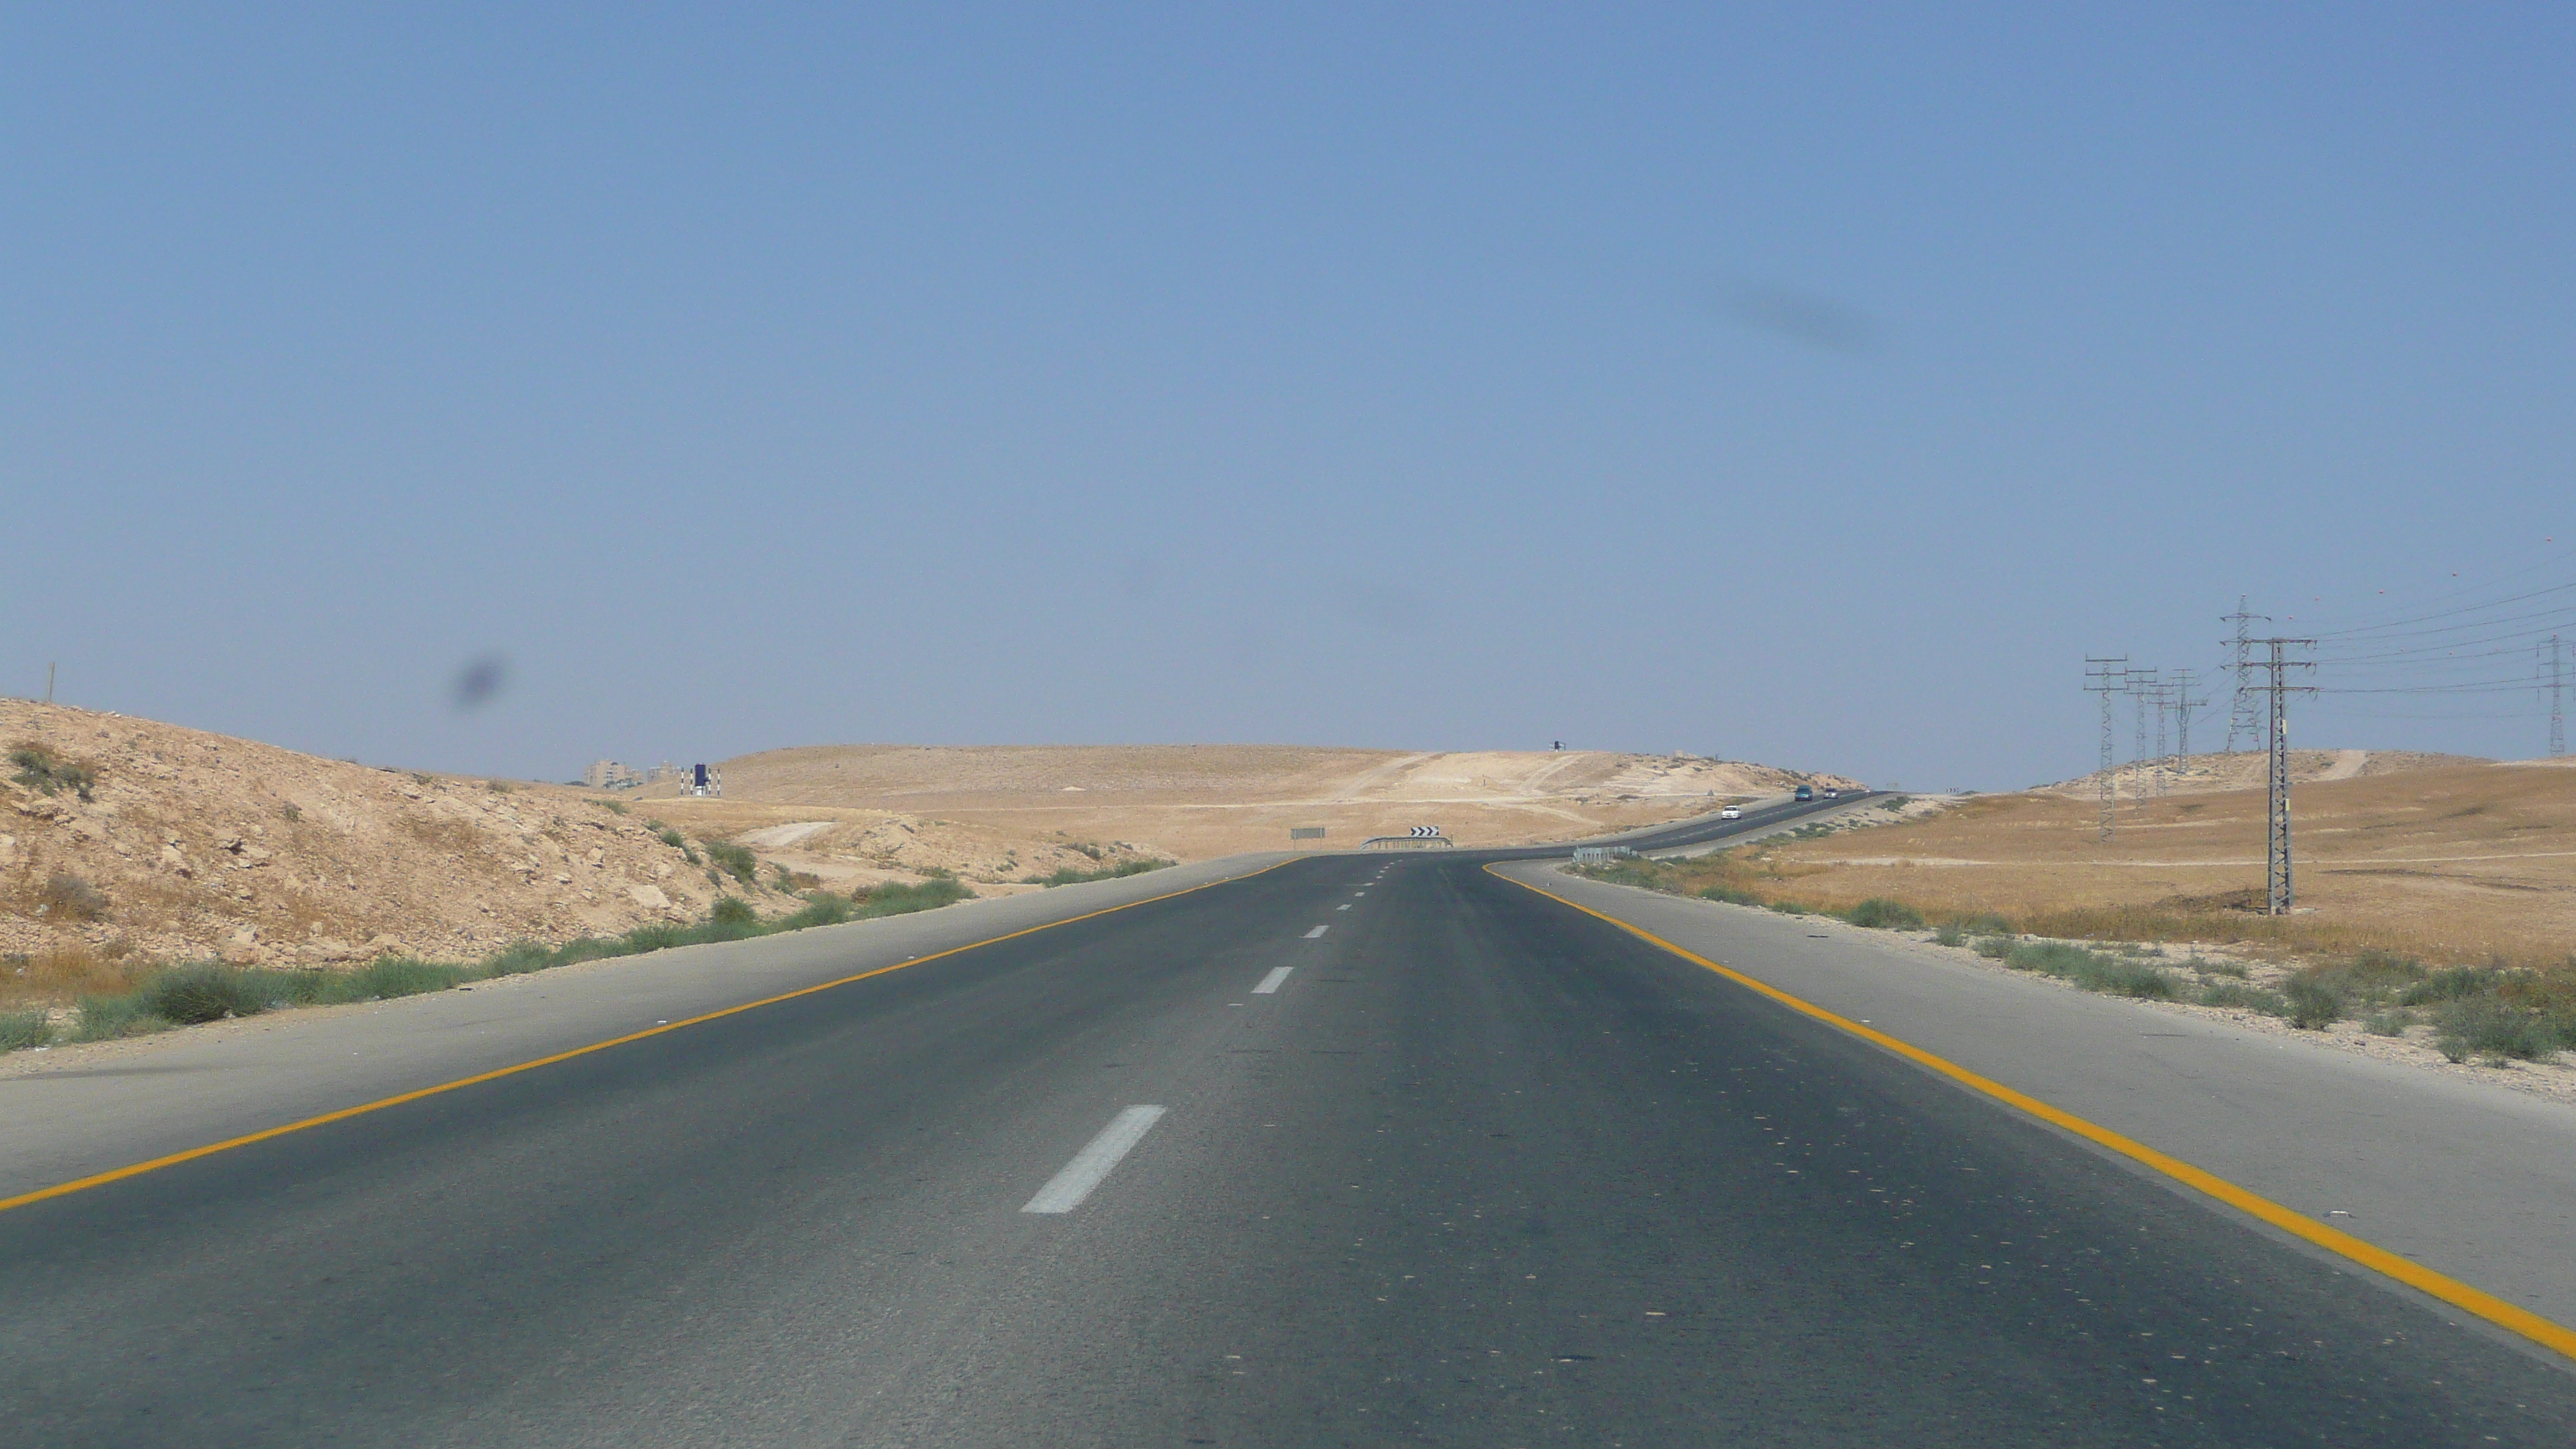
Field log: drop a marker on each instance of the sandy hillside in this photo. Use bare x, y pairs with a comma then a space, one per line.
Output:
1194, 801
2244, 770
2450, 861
192, 845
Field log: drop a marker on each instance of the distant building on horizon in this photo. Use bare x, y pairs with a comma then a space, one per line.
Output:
610, 775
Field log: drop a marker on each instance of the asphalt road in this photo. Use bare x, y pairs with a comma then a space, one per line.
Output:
1478, 1170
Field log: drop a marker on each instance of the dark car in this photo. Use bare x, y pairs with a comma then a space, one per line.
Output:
1806, 792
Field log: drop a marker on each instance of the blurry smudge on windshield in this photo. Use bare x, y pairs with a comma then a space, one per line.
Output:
480, 681
1801, 317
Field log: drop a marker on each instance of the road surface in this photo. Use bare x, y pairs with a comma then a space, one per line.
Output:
1358, 1150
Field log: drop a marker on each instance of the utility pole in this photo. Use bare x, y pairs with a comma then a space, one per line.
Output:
49, 684
2184, 704
2276, 857
2550, 669
2240, 717
2104, 675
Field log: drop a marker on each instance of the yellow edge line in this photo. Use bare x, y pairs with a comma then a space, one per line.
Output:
2414, 1275
101, 1179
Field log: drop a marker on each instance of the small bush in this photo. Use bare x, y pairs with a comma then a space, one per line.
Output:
1881, 914
652, 936
733, 911
2451, 985
2313, 1005
2091, 970
42, 770
2491, 1027
105, 1018
1069, 876
387, 977
2390, 1022
207, 991
1948, 934
893, 898
735, 861
1988, 924
2208, 967
2250, 998
1730, 895
293, 813
1996, 948
822, 908
1789, 908
22, 1029
499, 787
69, 898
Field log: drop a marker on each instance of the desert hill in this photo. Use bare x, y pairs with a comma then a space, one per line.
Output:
2244, 770
1194, 801
124, 837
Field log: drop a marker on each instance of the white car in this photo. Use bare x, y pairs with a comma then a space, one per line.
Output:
1731, 812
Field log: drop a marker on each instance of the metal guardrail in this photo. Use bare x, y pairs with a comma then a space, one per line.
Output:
1408, 842
1599, 854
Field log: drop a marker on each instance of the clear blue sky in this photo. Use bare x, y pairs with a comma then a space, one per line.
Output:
1810, 385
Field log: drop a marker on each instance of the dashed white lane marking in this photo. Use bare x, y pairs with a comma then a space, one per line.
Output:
1343, 907
1066, 1190
1319, 930
1270, 984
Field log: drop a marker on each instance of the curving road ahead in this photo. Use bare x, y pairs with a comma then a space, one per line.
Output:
1438, 1160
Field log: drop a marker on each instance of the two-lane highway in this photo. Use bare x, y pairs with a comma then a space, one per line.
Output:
1356, 1150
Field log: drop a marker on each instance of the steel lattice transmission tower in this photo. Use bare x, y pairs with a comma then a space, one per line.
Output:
2241, 717
2184, 704
2105, 676
2552, 675
2141, 684
2276, 857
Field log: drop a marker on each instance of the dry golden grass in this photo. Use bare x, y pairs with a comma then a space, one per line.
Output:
2461, 863
61, 975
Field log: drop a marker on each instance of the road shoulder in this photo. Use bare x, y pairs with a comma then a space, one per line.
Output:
69, 1112
2474, 1181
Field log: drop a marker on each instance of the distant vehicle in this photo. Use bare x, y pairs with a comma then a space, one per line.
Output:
1731, 812
1806, 792
1833, 794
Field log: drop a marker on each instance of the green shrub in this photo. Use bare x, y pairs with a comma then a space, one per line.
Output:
652, 936
2449, 985
22, 1029
893, 898
42, 770
1789, 908
1995, 948
2491, 1027
1069, 876
105, 1018
2208, 967
2313, 1005
521, 957
733, 911
1948, 934
387, 977
1987, 924
2091, 970
1730, 895
1881, 914
2251, 998
2392, 1021
206, 991
735, 861
822, 908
